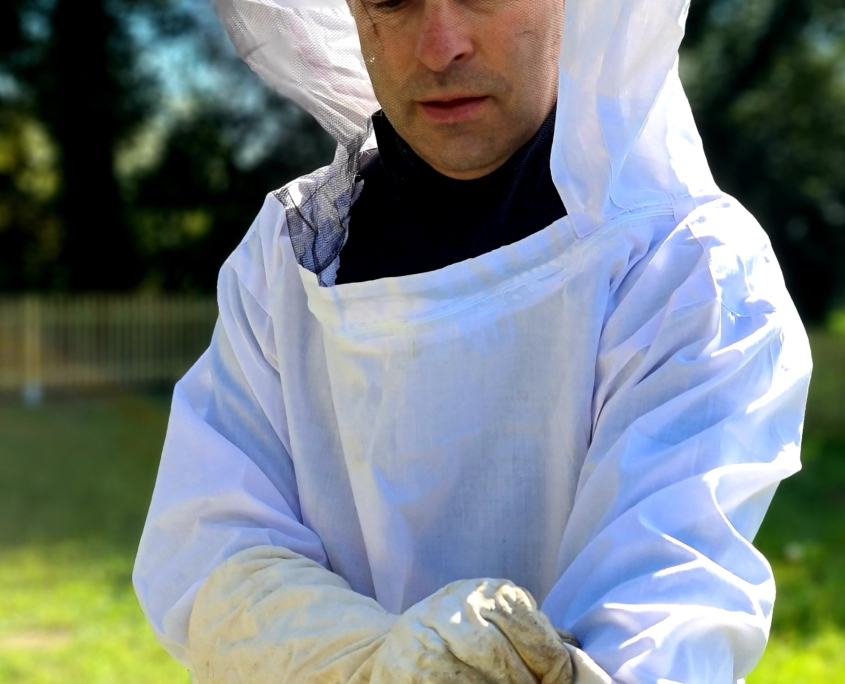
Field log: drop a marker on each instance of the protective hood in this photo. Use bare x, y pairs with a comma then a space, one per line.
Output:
625, 137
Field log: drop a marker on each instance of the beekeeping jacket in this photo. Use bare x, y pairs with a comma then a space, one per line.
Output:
600, 412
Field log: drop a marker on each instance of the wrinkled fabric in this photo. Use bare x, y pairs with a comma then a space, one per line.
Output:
630, 141
309, 51
269, 615
585, 670
600, 412
602, 421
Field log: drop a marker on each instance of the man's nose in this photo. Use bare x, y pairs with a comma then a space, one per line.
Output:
443, 37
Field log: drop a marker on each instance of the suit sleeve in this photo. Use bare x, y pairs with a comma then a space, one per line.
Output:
701, 384
226, 481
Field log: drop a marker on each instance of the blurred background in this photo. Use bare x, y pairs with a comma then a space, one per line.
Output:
135, 150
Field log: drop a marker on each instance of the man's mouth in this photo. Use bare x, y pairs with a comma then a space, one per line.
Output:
454, 110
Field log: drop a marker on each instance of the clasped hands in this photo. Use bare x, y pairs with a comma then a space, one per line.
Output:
473, 632
270, 615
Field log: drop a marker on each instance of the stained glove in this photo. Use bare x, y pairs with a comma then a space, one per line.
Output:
473, 632
269, 615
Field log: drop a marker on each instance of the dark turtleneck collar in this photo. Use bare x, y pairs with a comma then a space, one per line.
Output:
411, 219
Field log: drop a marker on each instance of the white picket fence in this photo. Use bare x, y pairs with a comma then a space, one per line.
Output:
59, 342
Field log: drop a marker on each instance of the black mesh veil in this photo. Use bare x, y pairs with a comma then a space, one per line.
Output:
308, 50
318, 208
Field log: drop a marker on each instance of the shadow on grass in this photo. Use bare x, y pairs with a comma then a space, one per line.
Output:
79, 470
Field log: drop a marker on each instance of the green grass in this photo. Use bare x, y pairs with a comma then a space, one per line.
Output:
75, 482
804, 539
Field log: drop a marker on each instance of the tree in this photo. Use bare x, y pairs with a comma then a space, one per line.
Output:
72, 71
30, 228
90, 97
768, 92
79, 82
186, 229
764, 77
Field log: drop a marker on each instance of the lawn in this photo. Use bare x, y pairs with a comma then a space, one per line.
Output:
75, 480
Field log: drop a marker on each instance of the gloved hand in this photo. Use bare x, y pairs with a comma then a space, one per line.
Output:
474, 632
269, 615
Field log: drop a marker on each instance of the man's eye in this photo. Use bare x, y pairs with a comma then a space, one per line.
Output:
387, 4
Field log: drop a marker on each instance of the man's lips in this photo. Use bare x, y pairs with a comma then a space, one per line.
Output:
455, 109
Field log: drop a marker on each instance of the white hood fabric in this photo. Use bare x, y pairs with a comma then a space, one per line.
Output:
600, 412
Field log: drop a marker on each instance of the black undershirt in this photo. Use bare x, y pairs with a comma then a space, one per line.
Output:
411, 219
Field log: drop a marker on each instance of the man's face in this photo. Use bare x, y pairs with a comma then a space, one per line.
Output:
465, 83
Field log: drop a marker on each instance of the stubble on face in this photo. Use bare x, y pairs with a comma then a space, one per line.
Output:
500, 56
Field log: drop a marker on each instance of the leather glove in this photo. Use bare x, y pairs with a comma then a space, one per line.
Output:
481, 631
270, 616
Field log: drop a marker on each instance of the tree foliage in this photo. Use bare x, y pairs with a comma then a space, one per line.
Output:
767, 85
78, 98
85, 204
186, 229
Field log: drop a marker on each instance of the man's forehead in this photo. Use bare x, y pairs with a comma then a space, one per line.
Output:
391, 11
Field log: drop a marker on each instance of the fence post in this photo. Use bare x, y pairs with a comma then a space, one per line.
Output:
33, 388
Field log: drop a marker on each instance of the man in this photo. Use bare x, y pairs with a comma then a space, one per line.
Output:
513, 345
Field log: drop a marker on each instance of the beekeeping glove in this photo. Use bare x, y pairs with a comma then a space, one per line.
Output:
268, 615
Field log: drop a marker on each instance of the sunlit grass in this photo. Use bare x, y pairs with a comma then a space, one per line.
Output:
75, 481
813, 659
68, 614
804, 538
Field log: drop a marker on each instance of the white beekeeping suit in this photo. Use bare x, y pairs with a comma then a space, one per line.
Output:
600, 412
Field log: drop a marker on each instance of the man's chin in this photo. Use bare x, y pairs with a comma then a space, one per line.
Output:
463, 150
462, 159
